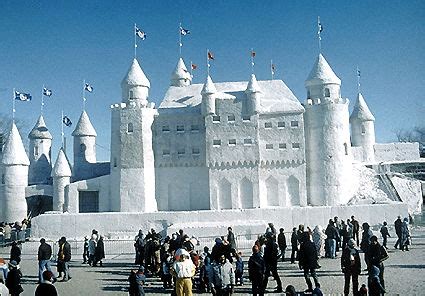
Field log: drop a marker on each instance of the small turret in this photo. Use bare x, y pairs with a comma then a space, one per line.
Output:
253, 93
135, 86
61, 175
39, 153
208, 97
180, 76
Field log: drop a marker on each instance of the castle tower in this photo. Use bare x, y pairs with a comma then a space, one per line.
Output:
327, 136
253, 93
208, 97
40, 149
363, 128
84, 147
180, 76
132, 157
61, 175
14, 178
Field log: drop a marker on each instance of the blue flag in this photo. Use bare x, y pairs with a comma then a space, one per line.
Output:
184, 32
66, 121
47, 92
142, 35
22, 96
88, 87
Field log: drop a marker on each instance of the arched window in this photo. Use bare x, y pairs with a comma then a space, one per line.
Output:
83, 147
308, 94
130, 127
36, 151
130, 94
327, 93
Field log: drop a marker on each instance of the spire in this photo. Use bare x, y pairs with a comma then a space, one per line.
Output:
322, 73
135, 76
61, 168
180, 76
361, 110
40, 130
253, 86
84, 126
14, 151
209, 87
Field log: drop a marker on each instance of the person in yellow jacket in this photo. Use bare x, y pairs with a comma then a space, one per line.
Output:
183, 269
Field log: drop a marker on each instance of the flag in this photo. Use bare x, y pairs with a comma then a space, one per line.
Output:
47, 92
273, 68
210, 55
194, 66
253, 53
140, 34
358, 73
66, 121
184, 32
22, 96
88, 87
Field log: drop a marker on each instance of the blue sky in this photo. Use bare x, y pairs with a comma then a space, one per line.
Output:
60, 43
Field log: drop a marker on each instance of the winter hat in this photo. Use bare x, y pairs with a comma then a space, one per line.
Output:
48, 275
373, 238
13, 264
290, 291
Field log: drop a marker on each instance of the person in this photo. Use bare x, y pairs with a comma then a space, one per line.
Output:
338, 227
294, 245
99, 252
405, 235
290, 291
4, 291
132, 289
139, 245
356, 229
281, 241
362, 290
332, 236
231, 238
46, 288
308, 261
92, 248
256, 270
239, 269
60, 263
13, 281
4, 270
15, 253
85, 249
374, 285
44, 255
376, 254
351, 267
183, 269
319, 240
270, 258
140, 280
222, 278
366, 236
397, 226
385, 234
64, 254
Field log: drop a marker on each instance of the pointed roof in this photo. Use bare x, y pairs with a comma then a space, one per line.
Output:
40, 130
209, 87
253, 86
180, 72
14, 151
361, 110
322, 73
135, 76
61, 168
84, 126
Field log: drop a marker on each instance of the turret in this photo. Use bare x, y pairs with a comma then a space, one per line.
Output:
327, 137
180, 76
253, 94
208, 97
39, 153
135, 86
84, 147
61, 175
14, 178
363, 128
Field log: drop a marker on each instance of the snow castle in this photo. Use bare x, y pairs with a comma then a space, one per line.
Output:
230, 153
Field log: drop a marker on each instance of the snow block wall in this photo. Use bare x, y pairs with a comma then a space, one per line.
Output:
396, 152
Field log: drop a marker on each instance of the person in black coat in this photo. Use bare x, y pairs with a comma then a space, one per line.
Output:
99, 252
351, 267
256, 270
271, 253
281, 241
64, 255
397, 225
294, 244
15, 253
307, 260
376, 254
385, 234
46, 288
13, 280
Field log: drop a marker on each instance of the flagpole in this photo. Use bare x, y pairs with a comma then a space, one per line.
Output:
180, 40
42, 100
319, 30
13, 105
135, 41
208, 63
84, 94
191, 69
252, 60
358, 79
62, 134
271, 68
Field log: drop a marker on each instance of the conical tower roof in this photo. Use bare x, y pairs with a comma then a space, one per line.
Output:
135, 76
361, 110
14, 151
84, 126
209, 87
61, 168
322, 73
40, 130
180, 73
253, 86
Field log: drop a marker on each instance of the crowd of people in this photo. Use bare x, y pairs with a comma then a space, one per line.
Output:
17, 231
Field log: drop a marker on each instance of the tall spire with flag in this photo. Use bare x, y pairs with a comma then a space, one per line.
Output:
319, 31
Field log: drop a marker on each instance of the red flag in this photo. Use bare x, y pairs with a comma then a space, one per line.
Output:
210, 55
194, 66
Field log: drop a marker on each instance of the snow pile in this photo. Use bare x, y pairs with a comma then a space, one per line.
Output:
367, 187
410, 192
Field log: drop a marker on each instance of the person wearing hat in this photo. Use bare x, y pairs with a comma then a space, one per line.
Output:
256, 270
376, 254
46, 287
351, 267
13, 281
183, 269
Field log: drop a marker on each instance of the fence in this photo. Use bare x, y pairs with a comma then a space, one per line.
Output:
15, 235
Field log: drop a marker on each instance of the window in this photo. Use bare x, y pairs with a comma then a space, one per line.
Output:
195, 151
281, 124
247, 141
308, 94
166, 152
2, 178
131, 96
181, 151
294, 123
36, 151
115, 162
165, 128
216, 143
231, 118
267, 125
83, 148
194, 128
232, 142
295, 145
216, 118
130, 128
246, 118
282, 145
327, 93
180, 128
363, 130
269, 146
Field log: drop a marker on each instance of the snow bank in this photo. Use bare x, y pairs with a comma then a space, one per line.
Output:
410, 192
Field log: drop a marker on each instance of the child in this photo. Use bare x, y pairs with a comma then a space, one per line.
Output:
239, 269
363, 290
375, 287
385, 234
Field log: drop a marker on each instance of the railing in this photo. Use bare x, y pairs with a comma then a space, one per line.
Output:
18, 236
